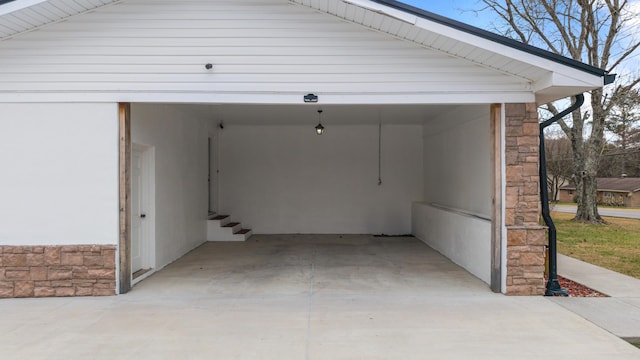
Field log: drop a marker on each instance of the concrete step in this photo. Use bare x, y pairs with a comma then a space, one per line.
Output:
220, 228
221, 220
234, 226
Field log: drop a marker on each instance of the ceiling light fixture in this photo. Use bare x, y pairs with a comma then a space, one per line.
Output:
311, 98
319, 127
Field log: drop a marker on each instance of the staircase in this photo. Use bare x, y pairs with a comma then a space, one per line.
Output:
220, 228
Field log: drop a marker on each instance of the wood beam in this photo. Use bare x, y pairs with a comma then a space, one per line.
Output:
124, 242
496, 197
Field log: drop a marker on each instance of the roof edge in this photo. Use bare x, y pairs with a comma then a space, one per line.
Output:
427, 15
9, 6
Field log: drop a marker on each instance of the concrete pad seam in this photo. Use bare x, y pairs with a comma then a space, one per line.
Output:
626, 301
632, 339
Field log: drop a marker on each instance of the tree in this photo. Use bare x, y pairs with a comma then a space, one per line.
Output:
623, 124
592, 31
611, 164
558, 153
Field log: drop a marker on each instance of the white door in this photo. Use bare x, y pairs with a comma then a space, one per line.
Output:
138, 208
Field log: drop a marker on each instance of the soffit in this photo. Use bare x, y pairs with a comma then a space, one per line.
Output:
24, 15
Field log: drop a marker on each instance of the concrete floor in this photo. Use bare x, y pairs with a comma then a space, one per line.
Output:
304, 297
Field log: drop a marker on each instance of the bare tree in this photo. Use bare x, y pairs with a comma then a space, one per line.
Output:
592, 31
558, 153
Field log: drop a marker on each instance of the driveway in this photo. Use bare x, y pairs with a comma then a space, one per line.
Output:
305, 297
613, 212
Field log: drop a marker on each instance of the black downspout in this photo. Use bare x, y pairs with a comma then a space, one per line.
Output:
553, 286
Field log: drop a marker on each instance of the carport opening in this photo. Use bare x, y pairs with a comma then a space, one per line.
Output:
265, 167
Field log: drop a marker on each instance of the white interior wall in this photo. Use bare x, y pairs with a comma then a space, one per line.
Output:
59, 183
287, 179
454, 217
178, 135
457, 156
465, 240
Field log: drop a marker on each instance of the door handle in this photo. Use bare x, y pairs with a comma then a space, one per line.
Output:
143, 215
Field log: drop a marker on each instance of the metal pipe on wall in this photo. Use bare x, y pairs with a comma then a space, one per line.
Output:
553, 287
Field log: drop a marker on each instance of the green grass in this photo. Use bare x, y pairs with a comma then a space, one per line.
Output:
614, 246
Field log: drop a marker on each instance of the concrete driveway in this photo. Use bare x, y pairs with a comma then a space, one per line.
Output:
305, 297
603, 211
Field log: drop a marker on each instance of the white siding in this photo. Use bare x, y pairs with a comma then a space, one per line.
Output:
59, 183
262, 51
423, 34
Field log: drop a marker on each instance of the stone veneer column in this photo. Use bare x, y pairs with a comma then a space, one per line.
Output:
41, 271
525, 236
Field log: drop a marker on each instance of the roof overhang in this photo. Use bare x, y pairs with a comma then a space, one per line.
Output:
552, 76
555, 85
616, 191
21, 16
7, 7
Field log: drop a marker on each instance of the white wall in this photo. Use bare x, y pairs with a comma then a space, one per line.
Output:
465, 240
59, 174
457, 160
178, 135
286, 179
454, 217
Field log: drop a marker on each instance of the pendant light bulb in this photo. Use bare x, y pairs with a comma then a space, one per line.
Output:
319, 127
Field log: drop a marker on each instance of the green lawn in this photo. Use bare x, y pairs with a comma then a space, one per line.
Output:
614, 246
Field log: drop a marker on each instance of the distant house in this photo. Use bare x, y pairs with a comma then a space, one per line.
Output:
623, 191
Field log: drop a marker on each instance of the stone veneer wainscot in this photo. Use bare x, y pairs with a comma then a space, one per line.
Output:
41, 271
525, 236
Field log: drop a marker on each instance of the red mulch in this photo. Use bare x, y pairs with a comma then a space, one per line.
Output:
578, 290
